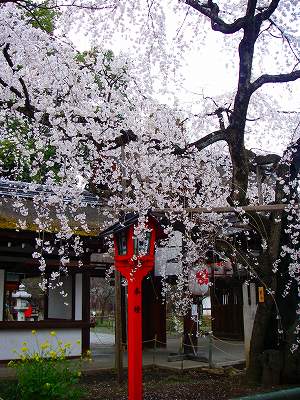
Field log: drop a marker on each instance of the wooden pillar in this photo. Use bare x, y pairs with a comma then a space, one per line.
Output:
190, 340
46, 299
2, 294
154, 313
249, 311
74, 294
124, 314
85, 342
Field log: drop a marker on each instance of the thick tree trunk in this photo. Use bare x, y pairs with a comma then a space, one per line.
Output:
240, 168
264, 316
271, 358
275, 328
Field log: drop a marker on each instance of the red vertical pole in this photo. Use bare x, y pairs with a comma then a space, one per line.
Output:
135, 362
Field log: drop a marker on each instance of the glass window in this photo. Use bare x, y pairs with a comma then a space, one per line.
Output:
142, 246
122, 243
35, 309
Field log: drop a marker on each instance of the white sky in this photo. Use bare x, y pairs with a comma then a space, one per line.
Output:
204, 70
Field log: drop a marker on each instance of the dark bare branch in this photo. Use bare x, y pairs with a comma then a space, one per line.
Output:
28, 106
266, 14
11, 88
280, 78
211, 10
251, 7
8, 57
284, 36
219, 113
209, 139
204, 142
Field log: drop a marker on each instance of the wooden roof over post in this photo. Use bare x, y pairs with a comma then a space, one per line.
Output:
25, 193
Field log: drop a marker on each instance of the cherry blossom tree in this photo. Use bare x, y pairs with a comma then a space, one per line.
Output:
92, 120
102, 297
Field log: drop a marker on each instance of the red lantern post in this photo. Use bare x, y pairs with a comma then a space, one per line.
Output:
134, 259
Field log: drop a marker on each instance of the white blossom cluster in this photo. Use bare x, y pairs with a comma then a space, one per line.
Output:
75, 121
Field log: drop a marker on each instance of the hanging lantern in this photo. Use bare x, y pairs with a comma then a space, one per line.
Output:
134, 258
130, 250
199, 281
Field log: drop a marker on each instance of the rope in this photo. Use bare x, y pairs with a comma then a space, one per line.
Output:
158, 341
148, 341
185, 345
98, 337
225, 352
226, 341
195, 347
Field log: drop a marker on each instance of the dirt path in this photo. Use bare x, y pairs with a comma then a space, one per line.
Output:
161, 384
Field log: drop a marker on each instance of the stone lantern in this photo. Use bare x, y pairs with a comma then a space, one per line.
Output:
22, 302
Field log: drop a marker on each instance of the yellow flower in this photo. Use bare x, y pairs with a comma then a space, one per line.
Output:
60, 342
33, 332
24, 349
53, 333
78, 341
24, 343
44, 345
67, 345
78, 373
53, 354
88, 352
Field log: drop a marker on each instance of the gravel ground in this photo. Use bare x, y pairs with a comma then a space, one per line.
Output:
163, 384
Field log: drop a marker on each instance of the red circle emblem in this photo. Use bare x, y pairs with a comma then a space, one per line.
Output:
202, 277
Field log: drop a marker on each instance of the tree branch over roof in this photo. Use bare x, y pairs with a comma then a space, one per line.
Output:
211, 10
280, 78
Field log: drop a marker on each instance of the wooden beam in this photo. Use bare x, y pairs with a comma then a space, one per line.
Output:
206, 210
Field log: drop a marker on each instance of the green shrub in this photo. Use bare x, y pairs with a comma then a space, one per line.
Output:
8, 390
46, 373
